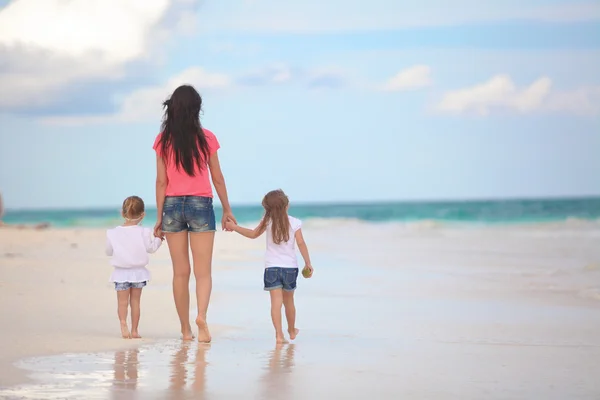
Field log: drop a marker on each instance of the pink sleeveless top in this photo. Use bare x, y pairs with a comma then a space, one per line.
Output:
180, 183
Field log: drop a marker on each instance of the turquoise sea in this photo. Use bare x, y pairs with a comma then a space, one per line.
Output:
475, 212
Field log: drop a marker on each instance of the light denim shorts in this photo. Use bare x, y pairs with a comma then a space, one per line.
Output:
280, 278
119, 286
188, 214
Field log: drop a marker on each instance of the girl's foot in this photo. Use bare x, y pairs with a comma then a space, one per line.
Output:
293, 333
135, 335
125, 330
203, 332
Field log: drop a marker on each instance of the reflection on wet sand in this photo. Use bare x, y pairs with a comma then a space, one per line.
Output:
125, 367
179, 368
276, 380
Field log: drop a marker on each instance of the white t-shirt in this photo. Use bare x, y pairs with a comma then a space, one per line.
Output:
283, 254
128, 247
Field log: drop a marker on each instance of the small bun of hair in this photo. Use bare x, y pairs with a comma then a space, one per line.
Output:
133, 208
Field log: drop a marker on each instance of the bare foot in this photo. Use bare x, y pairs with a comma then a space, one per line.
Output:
187, 333
294, 333
280, 340
203, 332
125, 330
135, 335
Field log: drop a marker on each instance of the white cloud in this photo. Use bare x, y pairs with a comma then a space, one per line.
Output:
414, 77
239, 49
329, 77
271, 74
50, 44
146, 103
310, 16
34, 78
500, 93
581, 101
187, 24
113, 29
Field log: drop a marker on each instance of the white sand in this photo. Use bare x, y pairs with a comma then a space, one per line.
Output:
511, 311
55, 297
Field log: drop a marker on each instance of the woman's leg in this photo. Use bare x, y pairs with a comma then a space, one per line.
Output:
202, 251
178, 248
199, 383
290, 313
179, 369
276, 302
122, 306
134, 300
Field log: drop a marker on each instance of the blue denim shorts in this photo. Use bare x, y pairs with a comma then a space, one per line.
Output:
280, 278
188, 213
129, 285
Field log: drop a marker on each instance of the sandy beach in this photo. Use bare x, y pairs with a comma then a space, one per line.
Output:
419, 311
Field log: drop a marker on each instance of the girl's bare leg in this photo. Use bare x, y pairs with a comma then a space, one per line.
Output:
178, 248
134, 300
276, 303
122, 306
202, 251
290, 314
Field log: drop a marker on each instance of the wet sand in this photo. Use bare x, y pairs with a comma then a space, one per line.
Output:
419, 312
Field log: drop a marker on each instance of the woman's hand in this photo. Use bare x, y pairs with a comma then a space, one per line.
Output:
230, 225
227, 216
158, 229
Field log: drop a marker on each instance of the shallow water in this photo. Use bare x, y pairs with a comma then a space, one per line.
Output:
321, 366
383, 334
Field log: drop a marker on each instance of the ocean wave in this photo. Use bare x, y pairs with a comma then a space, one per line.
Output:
426, 224
590, 293
322, 223
537, 215
317, 223
593, 267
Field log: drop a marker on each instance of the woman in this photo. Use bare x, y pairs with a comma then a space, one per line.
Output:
186, 154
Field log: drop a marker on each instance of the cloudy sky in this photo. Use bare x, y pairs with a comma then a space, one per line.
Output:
328, 99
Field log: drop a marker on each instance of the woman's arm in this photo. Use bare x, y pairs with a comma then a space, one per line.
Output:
219, 181
161, 189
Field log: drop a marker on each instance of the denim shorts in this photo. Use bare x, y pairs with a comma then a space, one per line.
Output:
129, 285
188, 214
280, 278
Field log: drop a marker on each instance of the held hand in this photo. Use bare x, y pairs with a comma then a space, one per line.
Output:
230, 225
227, 216
158, 230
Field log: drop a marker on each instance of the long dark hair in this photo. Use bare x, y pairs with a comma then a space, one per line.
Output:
182, 133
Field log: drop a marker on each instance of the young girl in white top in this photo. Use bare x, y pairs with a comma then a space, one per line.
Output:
129, 245
281, 266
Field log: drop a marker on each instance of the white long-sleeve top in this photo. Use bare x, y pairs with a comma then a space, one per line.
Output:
128, 247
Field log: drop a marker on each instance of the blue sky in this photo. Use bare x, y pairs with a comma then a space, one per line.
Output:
331, 101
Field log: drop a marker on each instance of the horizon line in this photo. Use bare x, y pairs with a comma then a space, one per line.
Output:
347, 202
